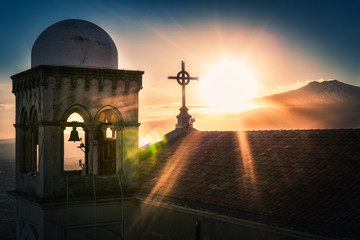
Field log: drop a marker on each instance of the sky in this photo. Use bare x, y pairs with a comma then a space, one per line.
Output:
238, 49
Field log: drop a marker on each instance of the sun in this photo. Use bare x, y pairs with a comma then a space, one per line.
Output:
229, 86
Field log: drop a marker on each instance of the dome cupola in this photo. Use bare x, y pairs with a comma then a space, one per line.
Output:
74, 42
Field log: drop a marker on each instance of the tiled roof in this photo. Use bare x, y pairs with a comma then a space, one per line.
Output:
303, 179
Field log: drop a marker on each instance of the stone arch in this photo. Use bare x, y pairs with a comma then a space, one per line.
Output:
28, 233
108, 108
133, 87
33, 142
24, 118
108, 143
120, 87
28, 139
34, 116
81, 110
69, 165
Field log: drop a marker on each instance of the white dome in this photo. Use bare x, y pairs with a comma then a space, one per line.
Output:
74, 42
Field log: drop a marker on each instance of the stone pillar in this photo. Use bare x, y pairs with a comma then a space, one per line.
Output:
51, 159
119, 150
91, 151
92, 164
131, 155
27, 148
19, 156
34, 153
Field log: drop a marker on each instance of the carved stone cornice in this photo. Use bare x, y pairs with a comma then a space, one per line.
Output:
77, 124
36, 77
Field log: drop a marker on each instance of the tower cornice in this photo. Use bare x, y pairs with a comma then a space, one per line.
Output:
37, 76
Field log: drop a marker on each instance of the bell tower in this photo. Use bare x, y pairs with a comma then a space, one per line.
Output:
74, 84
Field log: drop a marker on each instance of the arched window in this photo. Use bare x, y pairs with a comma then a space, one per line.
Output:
25, 142
74, 152
29, 142
106, 139
35, 150
75, 140
107, 119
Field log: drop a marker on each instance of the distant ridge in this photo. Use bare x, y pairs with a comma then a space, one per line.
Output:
7, 150
326, 92
7, 140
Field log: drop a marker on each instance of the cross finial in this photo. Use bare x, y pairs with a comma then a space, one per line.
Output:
183, 78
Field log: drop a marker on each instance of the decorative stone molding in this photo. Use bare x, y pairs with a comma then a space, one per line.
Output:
39, 76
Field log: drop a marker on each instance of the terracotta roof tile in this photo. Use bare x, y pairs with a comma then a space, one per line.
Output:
308, 176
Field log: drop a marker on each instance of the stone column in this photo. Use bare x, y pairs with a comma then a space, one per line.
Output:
131, 155
27, 150
92, 168
62, 153
19, 156
51, 160
119, 150
34, 153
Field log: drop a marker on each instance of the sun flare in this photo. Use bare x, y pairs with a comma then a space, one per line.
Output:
229, 85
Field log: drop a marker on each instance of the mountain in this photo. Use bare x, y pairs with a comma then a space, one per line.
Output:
327, 104
318, 105
318, 93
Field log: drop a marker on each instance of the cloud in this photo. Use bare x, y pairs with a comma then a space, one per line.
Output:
6, 96
160, 106
6, 106
176, 106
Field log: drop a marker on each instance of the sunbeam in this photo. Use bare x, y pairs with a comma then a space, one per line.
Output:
246, 156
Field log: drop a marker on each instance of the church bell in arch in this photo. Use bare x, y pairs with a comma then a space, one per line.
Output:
74, 135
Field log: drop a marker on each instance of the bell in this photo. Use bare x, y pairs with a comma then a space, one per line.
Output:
74, 135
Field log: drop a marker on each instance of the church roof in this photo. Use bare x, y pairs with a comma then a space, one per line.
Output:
303, 179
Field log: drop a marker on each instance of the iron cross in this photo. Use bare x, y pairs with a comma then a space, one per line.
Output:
183, 78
